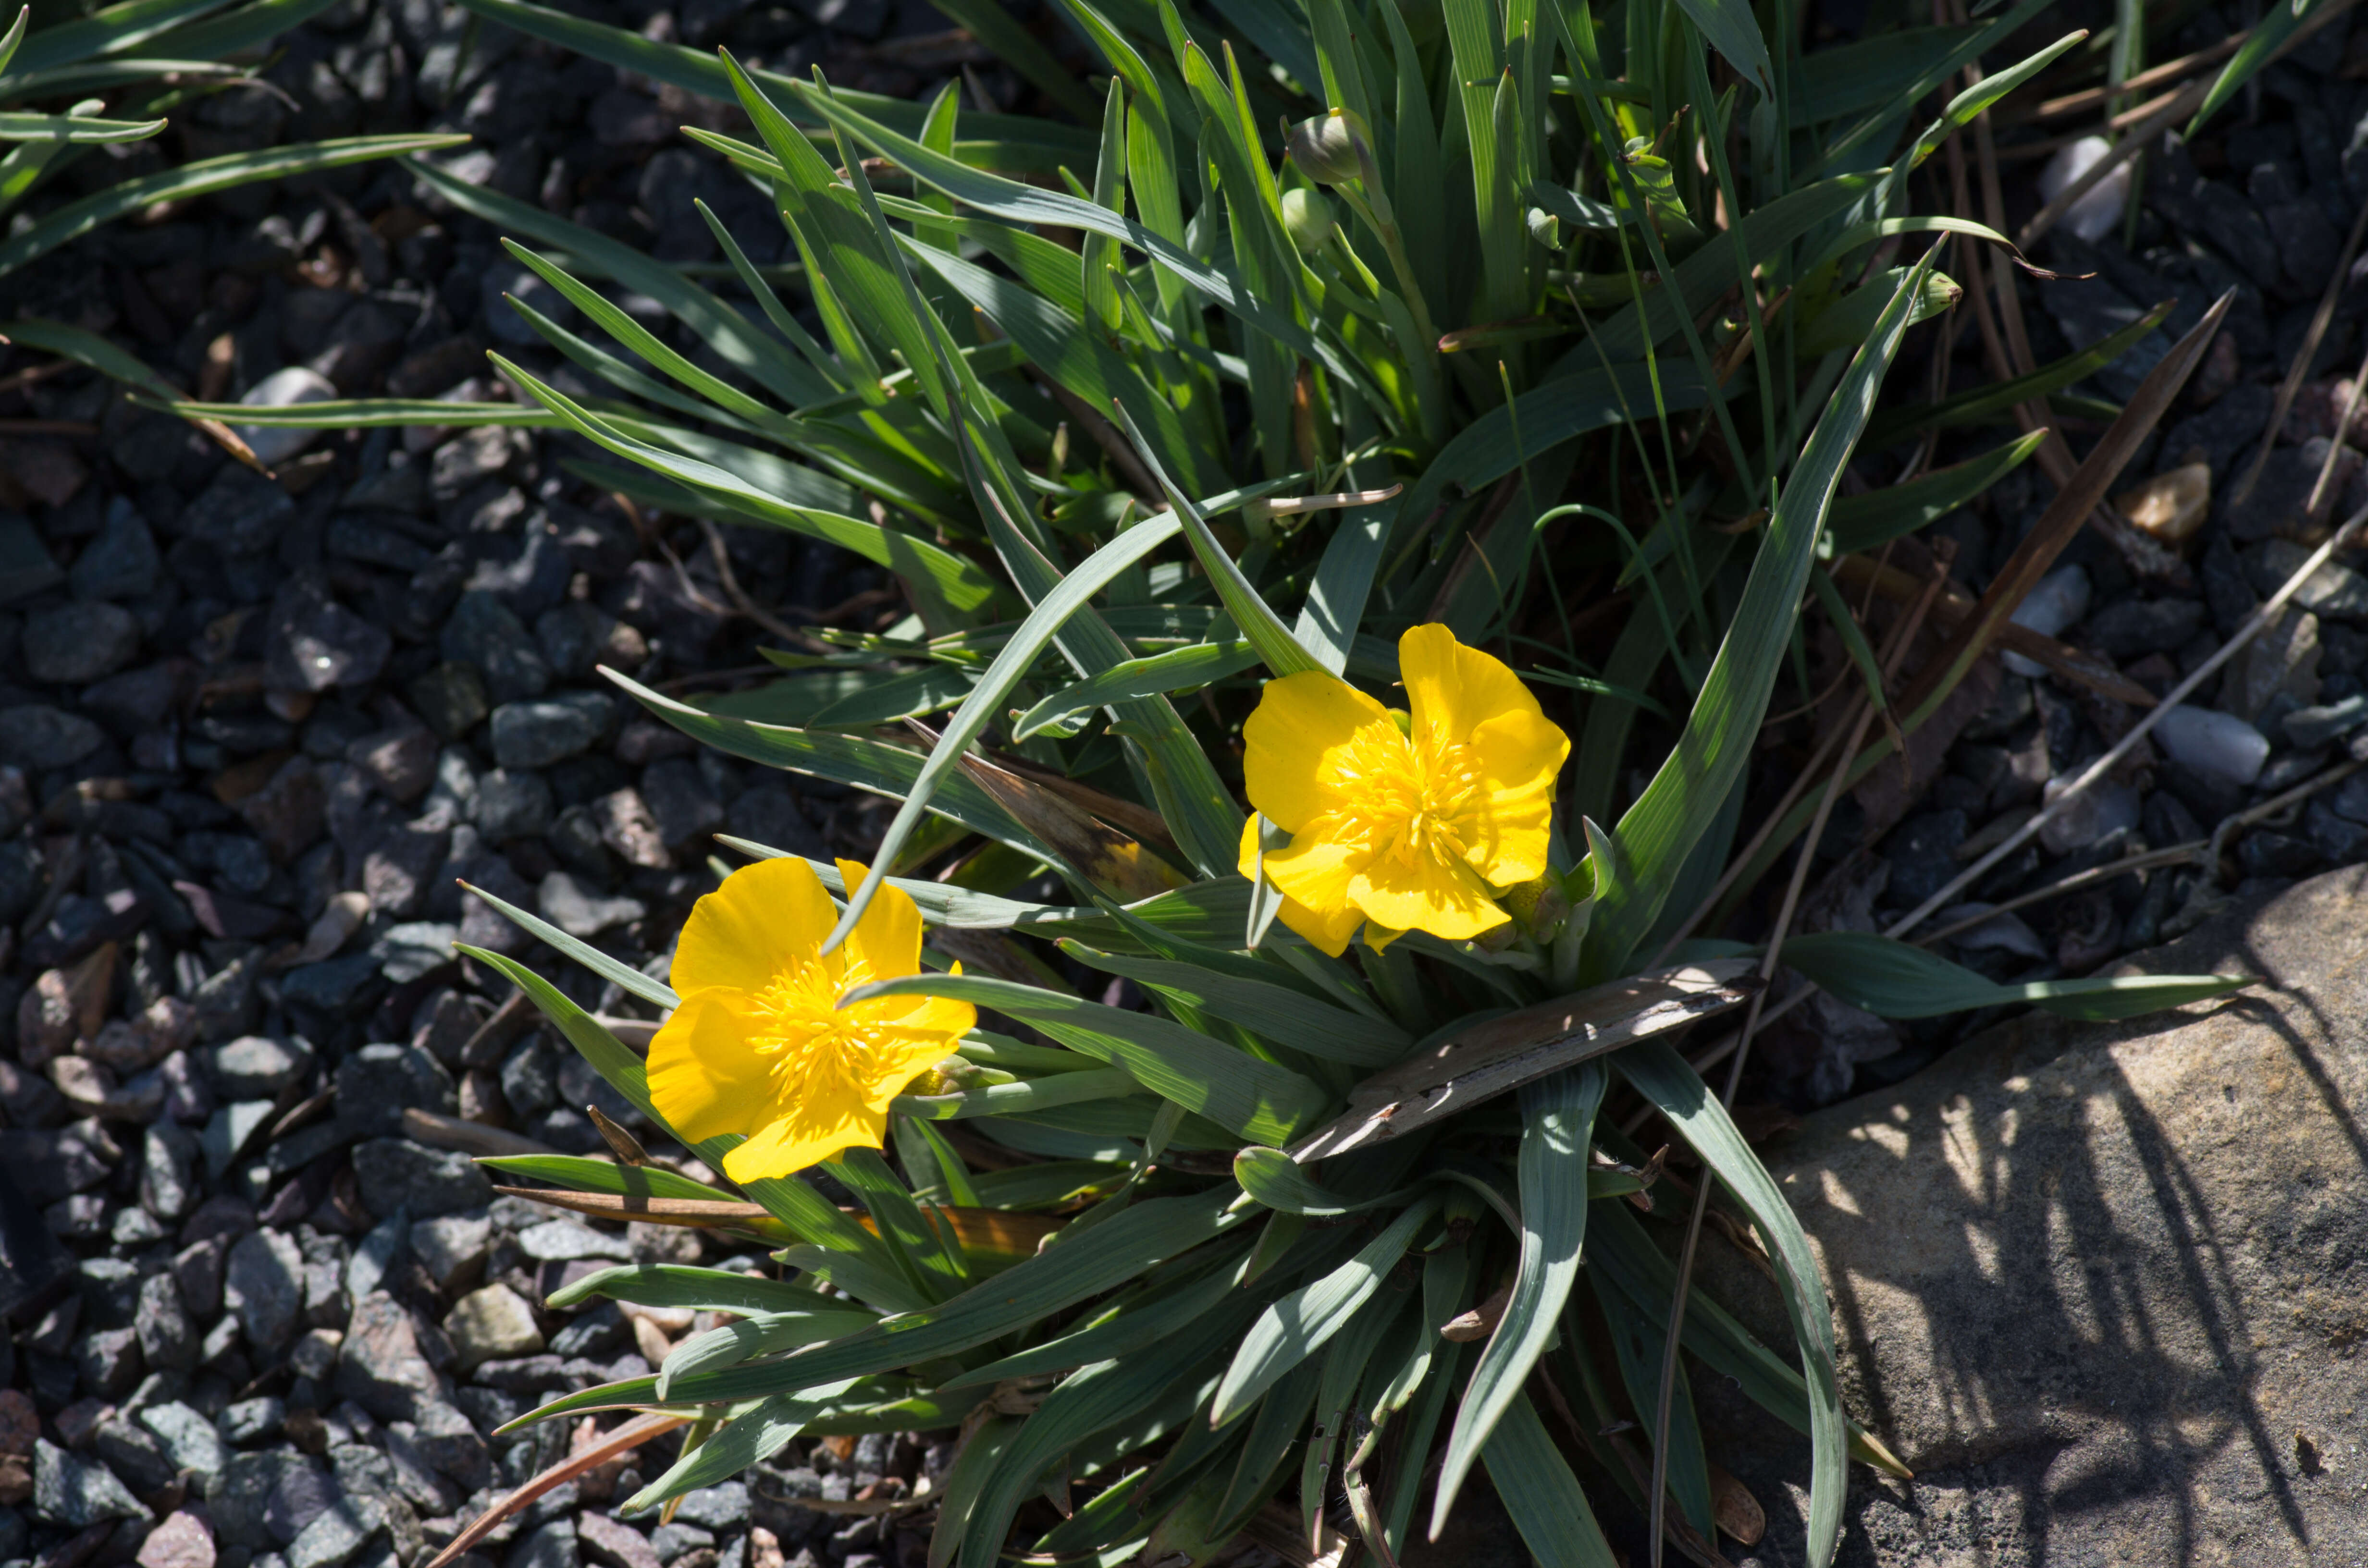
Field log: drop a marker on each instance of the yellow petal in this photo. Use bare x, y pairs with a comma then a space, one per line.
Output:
1298, 743
887, 940
706, 1078
1318, 867
1330, 932
937, 1019
764, 918
803, 1137
1452, 689
1505, 831
1443, 897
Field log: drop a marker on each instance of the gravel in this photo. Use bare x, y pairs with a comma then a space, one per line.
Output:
228, 702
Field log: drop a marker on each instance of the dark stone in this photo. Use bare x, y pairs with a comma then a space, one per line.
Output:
580, 911
2266, 854
240, 513
398, 864
381, 1365
358, 536
122, 561
2130, 628
530, 1086
136, 701
482, 632
78, 643
536, 735
317, 644
288, 813
551, 1546
536, 580
133, 1454
359, 346
378, 1082
168, 1342
240, 1499
49, 1163
264, 1286
720, 1508
680, 802
449, 1443
474, 456
1922, 851
511, 805
38, 738
451, 697
2276, 509
77, 1492
296, 1499
395, 1173
258, 1066
108, 1360
595, 1333
332, 985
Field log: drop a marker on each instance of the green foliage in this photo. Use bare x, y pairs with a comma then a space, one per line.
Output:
1419, 313
164, 54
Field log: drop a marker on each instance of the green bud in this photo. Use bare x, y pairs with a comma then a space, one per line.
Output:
1308, 217
1332, 148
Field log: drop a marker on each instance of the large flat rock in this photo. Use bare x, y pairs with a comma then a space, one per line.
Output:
2104, 1287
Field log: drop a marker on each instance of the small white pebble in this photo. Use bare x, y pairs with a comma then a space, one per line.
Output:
2093, 216
2210, 741
2055, 602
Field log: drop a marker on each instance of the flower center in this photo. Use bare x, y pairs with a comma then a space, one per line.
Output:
1411, 798
816, 1047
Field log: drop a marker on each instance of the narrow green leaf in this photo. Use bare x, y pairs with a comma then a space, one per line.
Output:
922, 563
1084, 1263
363, 414
207, 176
1016, 47
69, 128
616, 971
1294, 1327
750, 1439
700, 1290
1558, 1119
1282, 1184
730, 333
579, 1173
1256, 1099
1898, 980
983, 705
1658, 832
1281, 652
1869, 521
1540, 1495
1667, 1082
1283, 1014
1178, 669
1021, 144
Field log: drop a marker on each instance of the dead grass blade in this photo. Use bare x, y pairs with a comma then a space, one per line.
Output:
623, 1440
2289, 389
2071, 507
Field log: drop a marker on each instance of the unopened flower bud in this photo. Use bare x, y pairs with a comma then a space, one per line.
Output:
1331, 148
1308, 217
1539, 904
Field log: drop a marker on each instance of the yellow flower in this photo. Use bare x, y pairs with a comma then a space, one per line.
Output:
760, 1046
1402, 822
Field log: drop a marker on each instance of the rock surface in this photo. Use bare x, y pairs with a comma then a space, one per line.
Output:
2103, 1286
